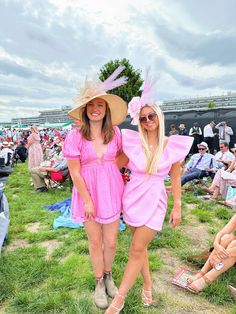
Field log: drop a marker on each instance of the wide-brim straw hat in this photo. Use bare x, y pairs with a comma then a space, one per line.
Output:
233, 149
117, 105
96, 89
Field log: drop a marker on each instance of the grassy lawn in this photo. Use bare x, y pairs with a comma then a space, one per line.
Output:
43, 270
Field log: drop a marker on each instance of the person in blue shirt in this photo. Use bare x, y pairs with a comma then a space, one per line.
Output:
200, 165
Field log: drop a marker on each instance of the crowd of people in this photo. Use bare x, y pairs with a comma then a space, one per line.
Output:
94, 152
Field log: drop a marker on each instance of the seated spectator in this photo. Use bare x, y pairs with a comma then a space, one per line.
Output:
221, 259
40, 173
200, 165
6, 153
222, 179
21, 151
224, 157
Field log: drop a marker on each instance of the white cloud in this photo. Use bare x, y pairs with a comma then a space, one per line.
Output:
48, 47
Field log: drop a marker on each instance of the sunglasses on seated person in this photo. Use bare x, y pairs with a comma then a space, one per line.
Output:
201, 148
151, 117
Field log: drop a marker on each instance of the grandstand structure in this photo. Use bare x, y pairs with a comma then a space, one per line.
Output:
171, 109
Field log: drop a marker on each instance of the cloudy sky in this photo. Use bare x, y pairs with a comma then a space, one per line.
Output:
47, 47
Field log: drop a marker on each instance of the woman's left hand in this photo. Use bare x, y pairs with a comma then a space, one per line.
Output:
175, 217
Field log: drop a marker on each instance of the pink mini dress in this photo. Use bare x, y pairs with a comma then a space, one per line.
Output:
101, 175
145, 198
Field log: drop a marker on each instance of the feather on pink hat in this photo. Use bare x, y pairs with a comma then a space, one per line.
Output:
97, 89
147, 97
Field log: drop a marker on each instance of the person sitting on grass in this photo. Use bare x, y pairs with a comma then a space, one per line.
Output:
222, 179
221, 259
200, 165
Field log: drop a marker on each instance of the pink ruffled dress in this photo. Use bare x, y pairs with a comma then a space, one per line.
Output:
101, 175
145, 198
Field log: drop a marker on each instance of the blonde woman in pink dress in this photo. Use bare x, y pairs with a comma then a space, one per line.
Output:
91, 151
151, 157
35, 152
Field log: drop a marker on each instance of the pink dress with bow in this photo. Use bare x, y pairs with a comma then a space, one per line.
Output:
145, 198
101, 175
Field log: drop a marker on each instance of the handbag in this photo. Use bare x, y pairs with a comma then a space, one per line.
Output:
231, 192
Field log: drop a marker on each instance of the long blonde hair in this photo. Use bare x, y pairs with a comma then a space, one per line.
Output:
152, 158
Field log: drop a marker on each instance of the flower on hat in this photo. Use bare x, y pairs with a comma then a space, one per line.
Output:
147, 97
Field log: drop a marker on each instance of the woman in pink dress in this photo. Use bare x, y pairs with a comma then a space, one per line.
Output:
151, 157
91, 151
35, 152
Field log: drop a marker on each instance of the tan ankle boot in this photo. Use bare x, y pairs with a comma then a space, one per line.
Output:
100, 297
110, 285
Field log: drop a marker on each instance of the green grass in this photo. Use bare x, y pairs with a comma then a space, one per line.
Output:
33, 282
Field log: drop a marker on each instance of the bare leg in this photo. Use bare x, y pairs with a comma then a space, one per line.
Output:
145, 272
216, 192
109, 233
200, 283
141, 238
94, 233
225, 241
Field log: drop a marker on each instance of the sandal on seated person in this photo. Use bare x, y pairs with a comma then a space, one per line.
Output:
193, 287
198, 275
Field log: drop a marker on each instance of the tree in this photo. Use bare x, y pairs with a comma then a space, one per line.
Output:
131, 88
211, 105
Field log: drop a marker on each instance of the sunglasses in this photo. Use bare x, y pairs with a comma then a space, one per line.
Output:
201, 148
151, 117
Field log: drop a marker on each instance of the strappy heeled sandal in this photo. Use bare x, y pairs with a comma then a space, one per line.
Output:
112, 306
192, 279
147, 300
194, 289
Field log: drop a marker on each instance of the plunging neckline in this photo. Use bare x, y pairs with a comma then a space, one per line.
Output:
95, 152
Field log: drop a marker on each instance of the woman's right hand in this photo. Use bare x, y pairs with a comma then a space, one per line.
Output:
89, 211
220, 251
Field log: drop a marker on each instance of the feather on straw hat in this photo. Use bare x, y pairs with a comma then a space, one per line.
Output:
98, 89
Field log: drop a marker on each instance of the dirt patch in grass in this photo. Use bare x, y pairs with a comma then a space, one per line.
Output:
175, 299
50, 246
17, 243
33, 227
198, 235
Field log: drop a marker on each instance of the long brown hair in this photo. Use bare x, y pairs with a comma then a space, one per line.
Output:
107, 128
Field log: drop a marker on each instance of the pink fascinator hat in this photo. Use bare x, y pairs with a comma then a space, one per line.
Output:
98, 89
147, 97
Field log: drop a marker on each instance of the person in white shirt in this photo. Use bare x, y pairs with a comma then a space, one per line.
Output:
208, 135
6, 153
200, 165
224, 132
224, 157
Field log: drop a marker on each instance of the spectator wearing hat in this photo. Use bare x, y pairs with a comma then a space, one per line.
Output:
182, 129
6, 153
200, 165
196, 132
91, 152
208, 135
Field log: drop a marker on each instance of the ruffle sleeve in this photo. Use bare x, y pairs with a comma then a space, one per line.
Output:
178, 147
72, 145
130, 142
